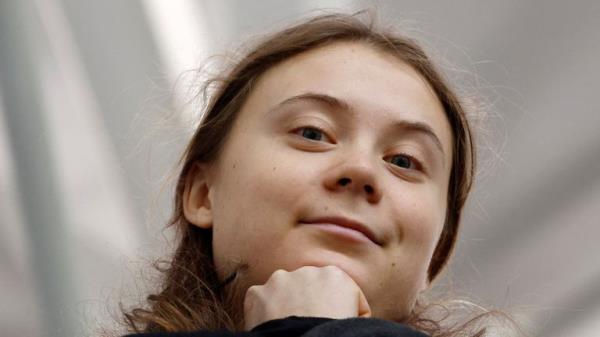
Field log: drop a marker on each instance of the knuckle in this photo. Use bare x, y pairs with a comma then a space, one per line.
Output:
279, 273
255, 290
252, 291
335, 271
276, 275
339, 276
307, 268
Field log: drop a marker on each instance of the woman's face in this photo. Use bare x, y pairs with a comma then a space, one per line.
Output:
340, 131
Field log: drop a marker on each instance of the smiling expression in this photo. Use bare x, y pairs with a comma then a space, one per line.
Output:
340, 134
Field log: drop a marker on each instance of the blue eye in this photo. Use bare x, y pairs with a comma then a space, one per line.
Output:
312, 133
404, 161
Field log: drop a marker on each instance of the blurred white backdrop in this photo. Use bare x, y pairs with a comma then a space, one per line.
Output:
93, 115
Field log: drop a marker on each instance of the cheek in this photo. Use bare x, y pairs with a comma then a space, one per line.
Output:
418, 215
421, 217
258, 190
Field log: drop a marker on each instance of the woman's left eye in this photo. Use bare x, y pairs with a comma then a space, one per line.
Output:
404, 161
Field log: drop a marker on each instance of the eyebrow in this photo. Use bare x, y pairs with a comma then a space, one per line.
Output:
338, 104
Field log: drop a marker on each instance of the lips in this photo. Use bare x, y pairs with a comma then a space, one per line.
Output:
347, 223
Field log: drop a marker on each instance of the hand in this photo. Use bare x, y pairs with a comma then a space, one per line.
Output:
307, 291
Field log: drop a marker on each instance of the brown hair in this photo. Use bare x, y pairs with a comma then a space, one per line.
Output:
191, 296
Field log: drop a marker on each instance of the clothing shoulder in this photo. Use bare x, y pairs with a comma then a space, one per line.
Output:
295, 326
362, 327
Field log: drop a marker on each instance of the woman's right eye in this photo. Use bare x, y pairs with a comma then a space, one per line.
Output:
312, 133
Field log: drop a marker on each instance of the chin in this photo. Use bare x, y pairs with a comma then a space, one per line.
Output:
358, 270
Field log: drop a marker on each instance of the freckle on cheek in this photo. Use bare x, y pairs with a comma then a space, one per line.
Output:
274, 168
393, 264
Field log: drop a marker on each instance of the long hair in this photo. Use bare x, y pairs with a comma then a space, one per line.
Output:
190, 296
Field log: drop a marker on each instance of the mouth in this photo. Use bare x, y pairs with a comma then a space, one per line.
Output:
344, 226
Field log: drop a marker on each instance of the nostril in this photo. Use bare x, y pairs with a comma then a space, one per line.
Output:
369, 189
344, 181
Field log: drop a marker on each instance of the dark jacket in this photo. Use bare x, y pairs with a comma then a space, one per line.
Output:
295, 326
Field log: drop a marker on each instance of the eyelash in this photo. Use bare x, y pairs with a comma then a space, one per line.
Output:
308, 127
415, 163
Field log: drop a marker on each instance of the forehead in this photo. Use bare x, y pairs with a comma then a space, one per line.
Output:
370, 80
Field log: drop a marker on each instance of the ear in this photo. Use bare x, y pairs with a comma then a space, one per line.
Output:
197, 207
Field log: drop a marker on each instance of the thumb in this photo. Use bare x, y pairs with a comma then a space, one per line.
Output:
364, 310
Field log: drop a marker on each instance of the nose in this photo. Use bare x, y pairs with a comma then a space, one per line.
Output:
355, 177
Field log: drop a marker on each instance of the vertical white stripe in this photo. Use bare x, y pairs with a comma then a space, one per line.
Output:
183, 40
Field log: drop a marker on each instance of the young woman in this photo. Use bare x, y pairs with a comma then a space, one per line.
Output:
322, 193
